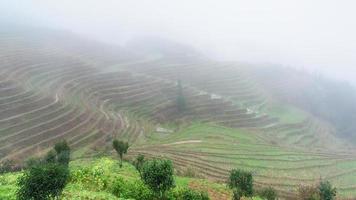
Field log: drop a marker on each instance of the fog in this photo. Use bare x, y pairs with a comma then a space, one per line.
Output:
318, 35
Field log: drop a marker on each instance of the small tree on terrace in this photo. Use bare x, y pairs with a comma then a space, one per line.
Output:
60, 154
181, 105
158, 176
241, 182
121, 148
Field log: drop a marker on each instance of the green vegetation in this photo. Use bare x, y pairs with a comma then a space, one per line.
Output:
327, 191
42, 182
286, 113
140, 160
158, 176
268, 193
121, 148
104, 179
323, 191
241, 182
46, 178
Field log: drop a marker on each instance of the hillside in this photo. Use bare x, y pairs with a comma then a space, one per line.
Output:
58, 86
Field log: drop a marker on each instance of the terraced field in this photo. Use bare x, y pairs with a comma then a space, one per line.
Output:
51, 91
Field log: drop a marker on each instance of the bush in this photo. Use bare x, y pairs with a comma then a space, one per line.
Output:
138, 163
42, 182
132, 190
326, 191
158, 176
268, 193
188, 194
93, 178
242, 181
63, 152
236, 194
194, 195
31, 162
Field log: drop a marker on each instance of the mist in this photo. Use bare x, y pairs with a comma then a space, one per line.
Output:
316, 35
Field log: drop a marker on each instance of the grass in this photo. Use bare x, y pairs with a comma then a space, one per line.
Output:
286, 113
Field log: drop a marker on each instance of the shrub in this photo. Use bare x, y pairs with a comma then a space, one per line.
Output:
42, 182
94, 178
32, 162
242, 181
51, 157
121, 148
63, 152
158, 176
236, 194
140, 159
188, 194
326, 191
132, 190
268, 193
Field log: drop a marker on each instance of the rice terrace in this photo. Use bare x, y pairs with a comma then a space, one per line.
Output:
287, 126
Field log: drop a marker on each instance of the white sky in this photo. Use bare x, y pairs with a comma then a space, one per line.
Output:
313, 34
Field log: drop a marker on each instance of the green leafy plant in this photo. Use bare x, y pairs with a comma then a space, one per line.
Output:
158, 176
42, 182
121, 148
326, 191
189, 194
268, 193
140, 160
131, 190
242, 182
63, 152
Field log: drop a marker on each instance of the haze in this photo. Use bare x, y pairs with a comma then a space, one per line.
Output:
317, 35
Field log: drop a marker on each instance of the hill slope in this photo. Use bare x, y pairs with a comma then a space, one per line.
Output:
54, 89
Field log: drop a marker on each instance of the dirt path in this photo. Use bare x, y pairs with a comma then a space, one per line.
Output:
183, 142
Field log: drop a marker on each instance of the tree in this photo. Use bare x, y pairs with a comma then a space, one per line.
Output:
327, 191
140, 159
158, 176
42, 182
181, 105
242, 181
121, 148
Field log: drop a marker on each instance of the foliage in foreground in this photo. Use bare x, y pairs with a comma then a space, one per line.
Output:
158, 176
241, 182
42, 182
